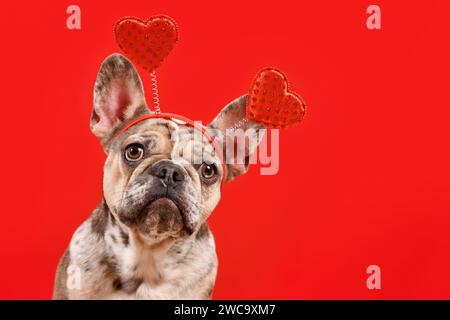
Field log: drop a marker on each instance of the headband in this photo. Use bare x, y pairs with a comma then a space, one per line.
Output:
148, 43
178, 118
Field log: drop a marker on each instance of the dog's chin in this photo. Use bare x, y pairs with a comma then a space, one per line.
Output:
162, 218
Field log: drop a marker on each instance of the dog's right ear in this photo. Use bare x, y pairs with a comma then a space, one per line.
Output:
118, 98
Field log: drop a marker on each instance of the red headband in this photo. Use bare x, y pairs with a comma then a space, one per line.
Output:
186, 121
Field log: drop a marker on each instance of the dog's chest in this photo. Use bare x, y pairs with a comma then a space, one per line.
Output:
144, 276
116, 269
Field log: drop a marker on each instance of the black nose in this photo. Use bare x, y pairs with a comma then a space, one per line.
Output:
168, 171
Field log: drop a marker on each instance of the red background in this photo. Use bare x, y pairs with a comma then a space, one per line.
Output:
364, 180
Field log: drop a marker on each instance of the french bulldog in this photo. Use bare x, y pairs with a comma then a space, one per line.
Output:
149, 237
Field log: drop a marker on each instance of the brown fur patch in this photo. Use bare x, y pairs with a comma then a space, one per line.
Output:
59, 291
99, 220
125, 237
203, 231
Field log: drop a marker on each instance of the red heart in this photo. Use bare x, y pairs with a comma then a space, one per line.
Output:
271, 103
146, 43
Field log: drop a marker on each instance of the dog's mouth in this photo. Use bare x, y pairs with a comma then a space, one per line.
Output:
163, 216
163, 204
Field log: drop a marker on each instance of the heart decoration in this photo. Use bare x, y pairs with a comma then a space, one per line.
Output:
271, 103
146, 43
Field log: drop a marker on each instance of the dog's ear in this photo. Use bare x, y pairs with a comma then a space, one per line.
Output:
118, 98
238, 136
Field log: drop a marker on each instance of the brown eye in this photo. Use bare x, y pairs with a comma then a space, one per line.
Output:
134, 152
208, 170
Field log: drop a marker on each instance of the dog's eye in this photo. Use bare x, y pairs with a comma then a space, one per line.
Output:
134, 152
208, 170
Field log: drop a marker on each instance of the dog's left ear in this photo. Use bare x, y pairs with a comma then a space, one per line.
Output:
118, 98
238, 136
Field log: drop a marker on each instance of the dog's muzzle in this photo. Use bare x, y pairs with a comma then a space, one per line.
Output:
165, 210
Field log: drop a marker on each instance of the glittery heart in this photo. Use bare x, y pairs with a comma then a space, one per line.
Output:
271, 103
146, 43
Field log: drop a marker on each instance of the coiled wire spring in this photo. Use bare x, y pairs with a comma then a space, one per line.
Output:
155, 94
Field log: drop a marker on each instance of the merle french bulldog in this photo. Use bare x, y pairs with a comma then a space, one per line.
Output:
149, 237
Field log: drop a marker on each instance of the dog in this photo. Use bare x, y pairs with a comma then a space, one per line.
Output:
149, 237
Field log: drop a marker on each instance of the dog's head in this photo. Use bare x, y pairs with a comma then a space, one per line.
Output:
162, 178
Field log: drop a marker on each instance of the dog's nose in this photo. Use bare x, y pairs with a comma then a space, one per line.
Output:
167, 171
